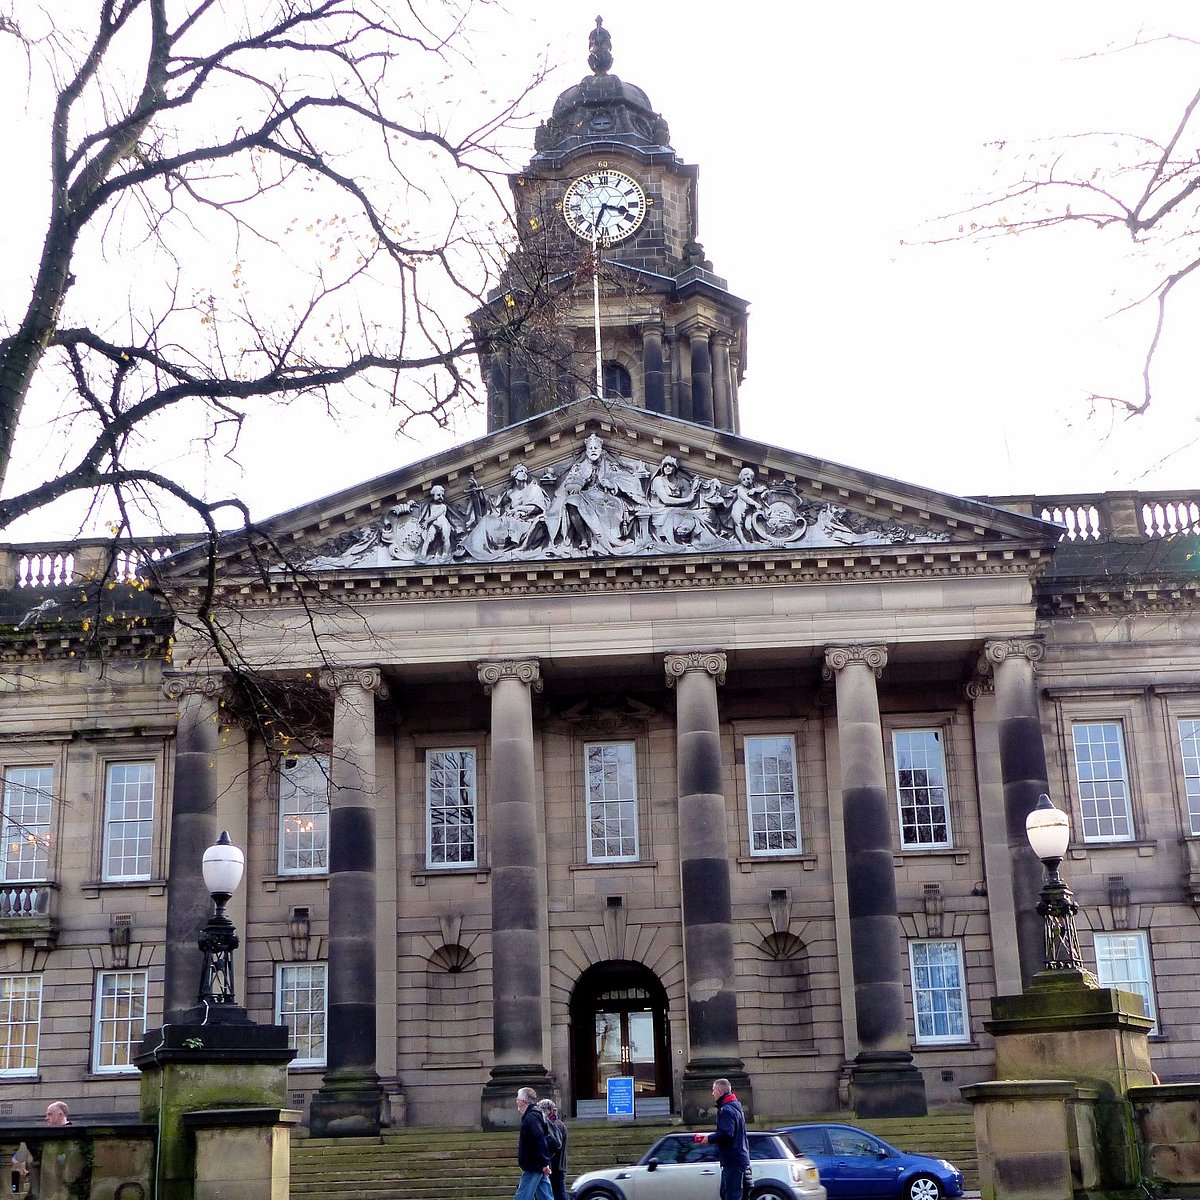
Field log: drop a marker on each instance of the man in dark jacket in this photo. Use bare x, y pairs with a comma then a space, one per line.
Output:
533, 1153
733, 1149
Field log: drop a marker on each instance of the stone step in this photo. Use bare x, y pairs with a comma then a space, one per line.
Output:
464, 1164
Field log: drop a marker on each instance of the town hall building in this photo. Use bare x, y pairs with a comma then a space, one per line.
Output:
608, 744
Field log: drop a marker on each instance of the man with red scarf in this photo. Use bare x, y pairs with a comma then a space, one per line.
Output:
733, 1149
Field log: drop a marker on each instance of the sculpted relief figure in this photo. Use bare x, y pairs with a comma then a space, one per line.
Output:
599, 504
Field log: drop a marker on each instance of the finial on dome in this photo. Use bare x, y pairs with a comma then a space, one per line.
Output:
600, 48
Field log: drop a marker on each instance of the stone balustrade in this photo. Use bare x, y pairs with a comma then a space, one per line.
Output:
43, 566
1111, 516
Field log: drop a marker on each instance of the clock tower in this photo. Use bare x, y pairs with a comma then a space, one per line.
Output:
608, 253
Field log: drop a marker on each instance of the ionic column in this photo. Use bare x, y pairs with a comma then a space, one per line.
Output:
193, 830
653, 381
709, 970
1013, 662
722, 383
702, 381
884, 1080
350, 1100
519, 938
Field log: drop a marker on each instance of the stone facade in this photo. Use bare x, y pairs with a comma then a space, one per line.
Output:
552, 763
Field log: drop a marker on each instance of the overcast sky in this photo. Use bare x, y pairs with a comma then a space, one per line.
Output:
828, 137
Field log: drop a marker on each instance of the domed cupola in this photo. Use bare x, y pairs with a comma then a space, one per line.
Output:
600, 108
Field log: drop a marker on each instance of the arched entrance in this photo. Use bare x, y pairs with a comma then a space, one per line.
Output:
619, 1027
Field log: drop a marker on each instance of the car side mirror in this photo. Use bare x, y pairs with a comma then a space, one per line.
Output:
652, 1165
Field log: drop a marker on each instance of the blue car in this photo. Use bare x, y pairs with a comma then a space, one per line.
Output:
855, 1164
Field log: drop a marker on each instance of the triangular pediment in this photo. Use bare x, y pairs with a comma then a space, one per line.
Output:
603, 481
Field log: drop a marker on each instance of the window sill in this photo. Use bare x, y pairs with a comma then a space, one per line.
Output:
92, 888
640, 865
1144, 849
124, 1073
960, 856
421, 878
808, 862
271, 882
939, 1047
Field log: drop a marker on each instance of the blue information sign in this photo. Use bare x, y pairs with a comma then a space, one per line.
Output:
620, 1096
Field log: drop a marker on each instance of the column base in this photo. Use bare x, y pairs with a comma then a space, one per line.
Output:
348, 1106
887, 1084
698, 1105
498, 1102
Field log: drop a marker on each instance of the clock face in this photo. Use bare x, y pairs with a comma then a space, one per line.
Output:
604, 205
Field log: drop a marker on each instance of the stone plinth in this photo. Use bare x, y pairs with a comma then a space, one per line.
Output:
242, 1153
193, 1067
1036, 1139
1066, 1030
1168, 1123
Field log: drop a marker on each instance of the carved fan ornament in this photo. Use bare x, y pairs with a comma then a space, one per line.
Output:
599, 504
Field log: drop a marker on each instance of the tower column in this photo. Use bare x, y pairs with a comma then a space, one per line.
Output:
1013, 663
653, 382
499, 402
722, 383
518, 396
885, 1081
193, 830
702, 379
518, 892
351, 1099
713, 1048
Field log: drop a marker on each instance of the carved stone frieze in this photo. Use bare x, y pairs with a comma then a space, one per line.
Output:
609, 714
600, 504
369, 679
712, 662
838, 657
523, 670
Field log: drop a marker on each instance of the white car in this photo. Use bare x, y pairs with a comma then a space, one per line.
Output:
676, 1167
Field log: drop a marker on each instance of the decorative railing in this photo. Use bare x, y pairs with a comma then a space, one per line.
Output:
24, 900
1111, 516
63, 564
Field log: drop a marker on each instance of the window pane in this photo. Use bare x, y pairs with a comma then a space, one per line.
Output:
450, 808
26, 829
20, 1019
1103, 786
128, 820
773, 814
120, 1019
939, 991
303, 813
921, 788
1123, 961
612, 819
1189, 745
300, 1005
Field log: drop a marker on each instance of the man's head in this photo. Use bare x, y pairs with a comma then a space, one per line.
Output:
525, 1097
721, 1088
57, 1113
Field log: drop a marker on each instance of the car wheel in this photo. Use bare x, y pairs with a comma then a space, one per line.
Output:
923, 1187
598, 1193
769, 1193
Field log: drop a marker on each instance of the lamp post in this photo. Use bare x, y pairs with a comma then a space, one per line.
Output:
1049, 831
223, 864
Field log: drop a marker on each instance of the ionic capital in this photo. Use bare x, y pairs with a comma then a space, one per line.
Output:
1000, 649
838, 657
980, 685
711, 662
524, 670
343, 679
209, 686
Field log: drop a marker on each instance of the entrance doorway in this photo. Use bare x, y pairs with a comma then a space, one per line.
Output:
619, 1027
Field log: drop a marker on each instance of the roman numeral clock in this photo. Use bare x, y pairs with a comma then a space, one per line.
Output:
604, 206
